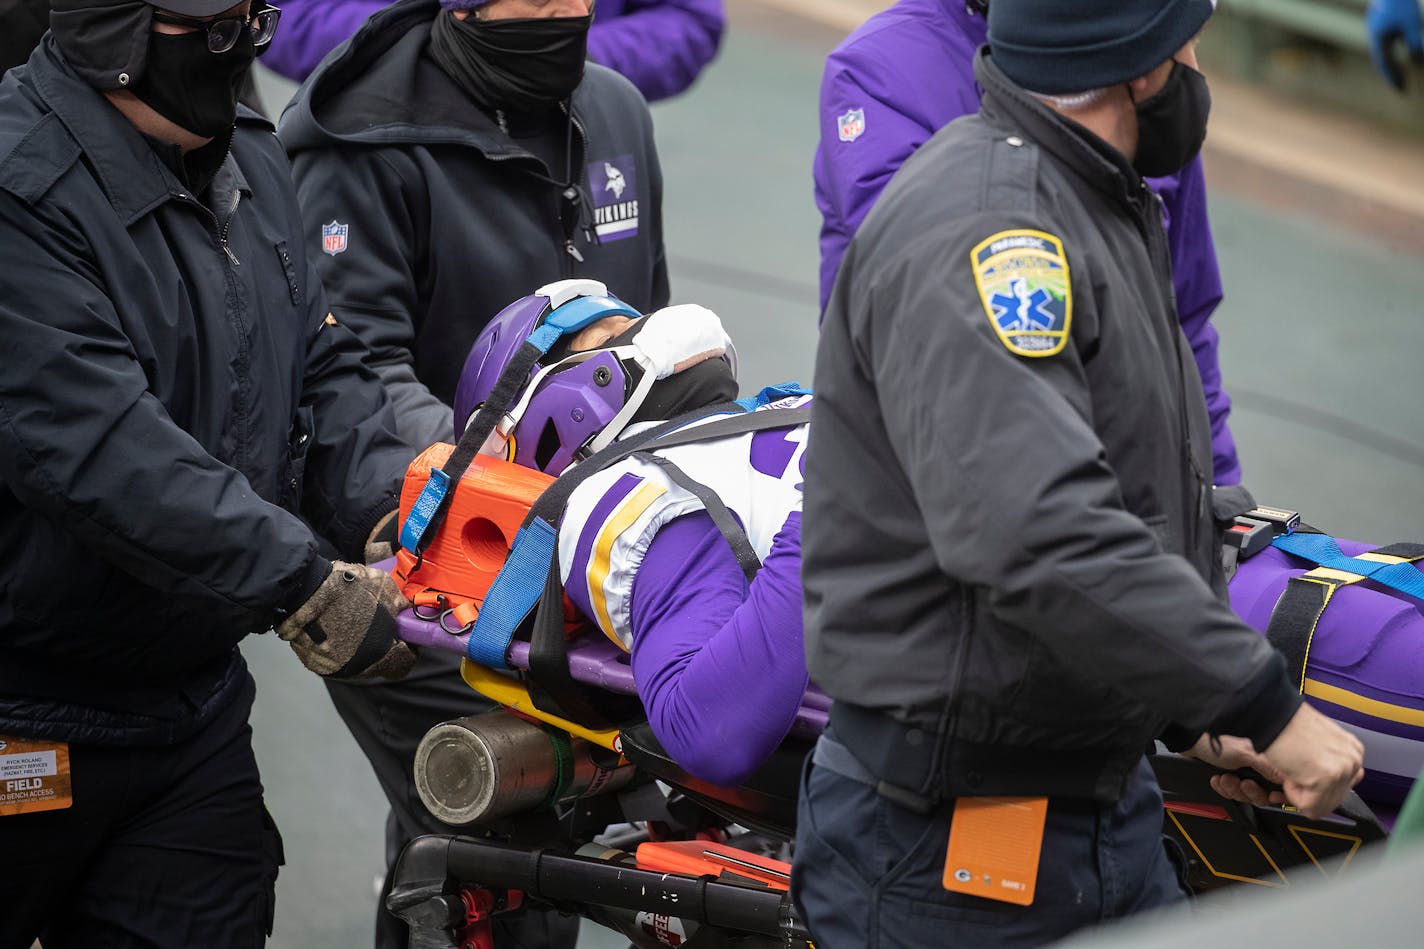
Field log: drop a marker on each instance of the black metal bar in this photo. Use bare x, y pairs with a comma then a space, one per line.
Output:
555, 876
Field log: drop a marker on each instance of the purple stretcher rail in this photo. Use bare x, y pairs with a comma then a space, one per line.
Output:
593, 661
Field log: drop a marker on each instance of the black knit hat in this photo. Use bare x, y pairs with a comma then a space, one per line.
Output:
1063, 46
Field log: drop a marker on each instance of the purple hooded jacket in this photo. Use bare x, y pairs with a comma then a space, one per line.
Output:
661, 45
908, 72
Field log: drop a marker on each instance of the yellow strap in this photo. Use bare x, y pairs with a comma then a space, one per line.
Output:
1383, 558
1359, 703
1336, 577
513, 694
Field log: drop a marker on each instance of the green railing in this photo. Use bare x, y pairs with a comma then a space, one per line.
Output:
1337, 22
1314, 51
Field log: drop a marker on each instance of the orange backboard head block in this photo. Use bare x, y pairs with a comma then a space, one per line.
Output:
492, 500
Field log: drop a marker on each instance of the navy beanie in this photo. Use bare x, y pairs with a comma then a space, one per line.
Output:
1064, 46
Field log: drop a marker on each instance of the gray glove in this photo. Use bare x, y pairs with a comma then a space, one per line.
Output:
347, 628
385, 536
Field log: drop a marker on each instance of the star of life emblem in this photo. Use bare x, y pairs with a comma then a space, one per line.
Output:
333, 237
851, 125
1022, 277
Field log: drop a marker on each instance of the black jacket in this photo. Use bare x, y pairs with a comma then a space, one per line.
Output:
170, 394
1010, 556
22, 23
447, 219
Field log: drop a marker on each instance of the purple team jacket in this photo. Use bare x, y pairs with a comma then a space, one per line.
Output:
661, 45
906, 73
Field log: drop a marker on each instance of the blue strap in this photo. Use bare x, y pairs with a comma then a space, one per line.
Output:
424, 508
772, 394
512, 595
575, 315
1321, 549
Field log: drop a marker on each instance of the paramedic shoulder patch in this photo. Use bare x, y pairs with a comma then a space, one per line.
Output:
1022, 276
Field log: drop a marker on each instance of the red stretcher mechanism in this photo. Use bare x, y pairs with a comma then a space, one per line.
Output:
704, 858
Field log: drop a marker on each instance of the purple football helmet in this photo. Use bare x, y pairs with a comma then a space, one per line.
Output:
569, 406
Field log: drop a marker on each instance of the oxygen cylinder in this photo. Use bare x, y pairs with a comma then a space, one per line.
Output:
492, 765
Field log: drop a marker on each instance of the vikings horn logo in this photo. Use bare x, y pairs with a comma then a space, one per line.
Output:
616, 184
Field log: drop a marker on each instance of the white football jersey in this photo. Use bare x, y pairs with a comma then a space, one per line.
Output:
614, 515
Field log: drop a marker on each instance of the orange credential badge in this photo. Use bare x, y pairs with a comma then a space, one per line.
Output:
994, 846
34, 775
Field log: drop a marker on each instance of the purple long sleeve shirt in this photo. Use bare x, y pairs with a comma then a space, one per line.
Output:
908, 72
719, 662
661, 45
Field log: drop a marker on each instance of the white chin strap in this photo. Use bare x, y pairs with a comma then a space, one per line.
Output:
667, 341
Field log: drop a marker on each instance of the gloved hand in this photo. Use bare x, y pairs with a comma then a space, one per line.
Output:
1389, 21
347, 628
385, 536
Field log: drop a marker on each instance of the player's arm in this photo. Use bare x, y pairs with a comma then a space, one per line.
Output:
700, 634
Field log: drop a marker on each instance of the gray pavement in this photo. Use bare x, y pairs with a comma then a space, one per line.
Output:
1321, 342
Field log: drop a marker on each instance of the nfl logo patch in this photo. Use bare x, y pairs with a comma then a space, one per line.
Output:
851, 125
333, 237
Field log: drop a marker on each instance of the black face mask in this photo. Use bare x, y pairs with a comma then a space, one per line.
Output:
707, 383
192, 87
523, 65
1171, 125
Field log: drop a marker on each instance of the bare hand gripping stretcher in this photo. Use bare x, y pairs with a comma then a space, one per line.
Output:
572, 743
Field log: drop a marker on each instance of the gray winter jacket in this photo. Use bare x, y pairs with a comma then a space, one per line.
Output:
1011, 569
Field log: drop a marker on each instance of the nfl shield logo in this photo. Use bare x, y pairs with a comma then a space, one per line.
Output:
333, 237
852, 125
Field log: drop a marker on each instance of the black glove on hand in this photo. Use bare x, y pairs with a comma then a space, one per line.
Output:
347, 628
385, 536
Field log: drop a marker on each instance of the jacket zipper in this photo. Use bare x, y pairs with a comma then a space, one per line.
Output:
220, 230
948, 726
1154, 237
574, 172
226, 224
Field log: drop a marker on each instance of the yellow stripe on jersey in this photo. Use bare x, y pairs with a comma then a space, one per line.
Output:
600, 562
1385, 710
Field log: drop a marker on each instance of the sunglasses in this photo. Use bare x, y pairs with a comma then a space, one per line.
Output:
224, 34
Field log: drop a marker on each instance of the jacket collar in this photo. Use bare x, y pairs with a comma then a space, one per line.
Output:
381, 88
1009, 107
132, 175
